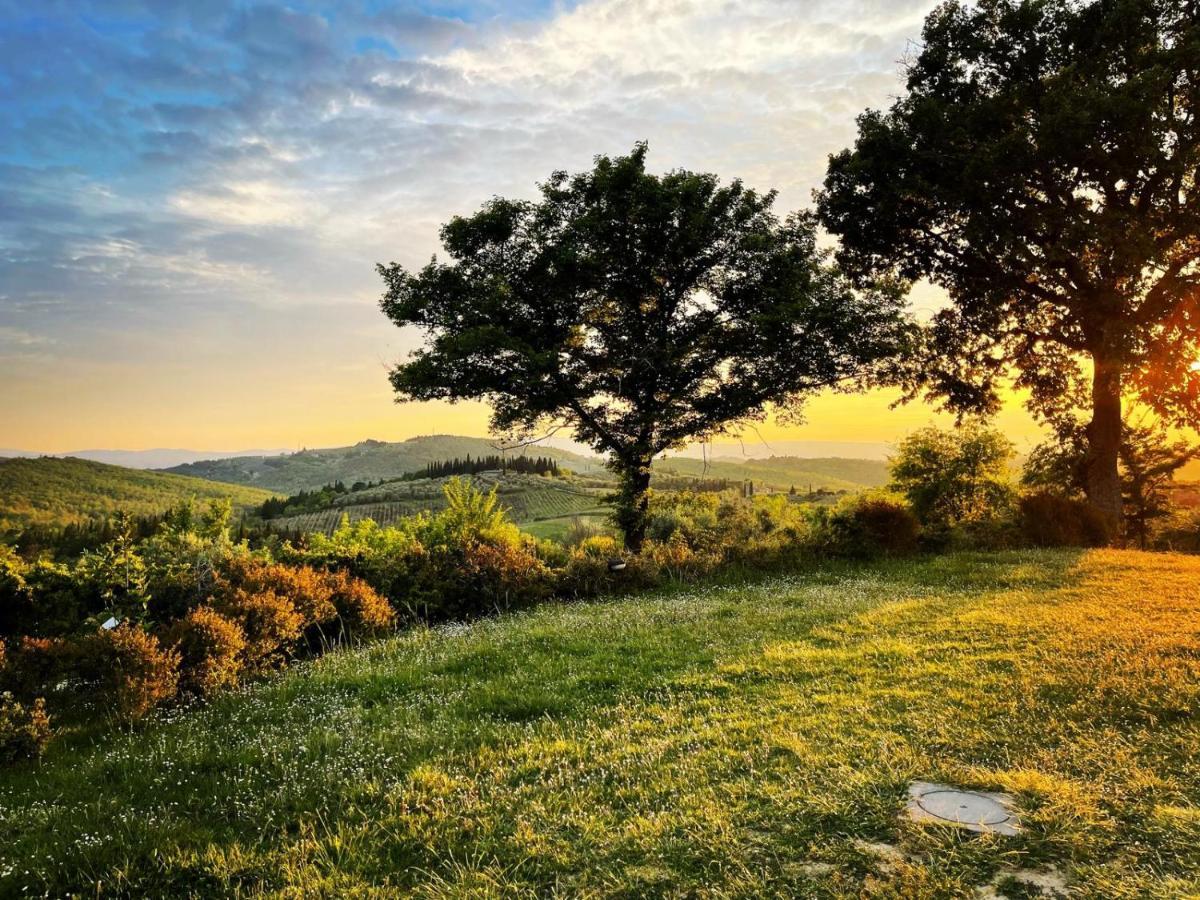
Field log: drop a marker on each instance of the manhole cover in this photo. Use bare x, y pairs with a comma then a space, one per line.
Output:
964, 807
973, 810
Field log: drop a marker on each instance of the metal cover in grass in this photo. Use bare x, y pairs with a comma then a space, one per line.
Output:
974, 810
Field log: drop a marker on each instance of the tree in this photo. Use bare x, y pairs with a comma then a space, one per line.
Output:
1149, 459
641, 311
1041, 168
954, 476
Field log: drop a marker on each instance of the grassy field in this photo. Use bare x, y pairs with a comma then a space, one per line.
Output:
733, 740
53, 491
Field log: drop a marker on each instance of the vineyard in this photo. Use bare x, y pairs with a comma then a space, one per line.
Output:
527, 498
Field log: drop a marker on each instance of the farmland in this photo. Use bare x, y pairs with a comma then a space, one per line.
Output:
527, 499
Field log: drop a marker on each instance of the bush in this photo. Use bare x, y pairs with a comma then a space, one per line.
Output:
271, 625
587, 572
954, 476
361, 609
134, 671
35, 665
1180, 532
305, 587
1051, 520
211, 649
871, 526
459, 582
24, 732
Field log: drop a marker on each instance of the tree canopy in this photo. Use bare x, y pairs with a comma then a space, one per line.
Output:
1041, 167
642, 311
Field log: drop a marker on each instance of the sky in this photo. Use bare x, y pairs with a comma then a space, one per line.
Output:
194, 195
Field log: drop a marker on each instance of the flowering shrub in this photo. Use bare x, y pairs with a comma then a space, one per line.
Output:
360, 608
211, 650
305, 587
271, 623
24, 731
135, 673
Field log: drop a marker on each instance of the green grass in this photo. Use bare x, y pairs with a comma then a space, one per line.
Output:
556, 529
732, 740
53, 491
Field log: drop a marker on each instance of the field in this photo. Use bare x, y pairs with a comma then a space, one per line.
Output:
780, 473
365, 461
741, 739
527, 498
52, 491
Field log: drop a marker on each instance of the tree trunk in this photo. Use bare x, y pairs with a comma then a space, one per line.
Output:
633, 502
1102, 476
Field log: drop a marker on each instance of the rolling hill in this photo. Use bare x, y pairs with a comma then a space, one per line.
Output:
527, 498
59, 491
365, 461
782, 472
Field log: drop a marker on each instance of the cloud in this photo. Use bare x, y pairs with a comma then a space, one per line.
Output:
163, 160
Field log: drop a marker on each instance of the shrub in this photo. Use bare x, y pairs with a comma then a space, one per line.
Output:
1051, 520
24, 732
1180, 532
305, 587
361, 609
388, 559
35, 665
955, 475
475, 578
871, 526
134, 671
587, 571
271, 624
211, 649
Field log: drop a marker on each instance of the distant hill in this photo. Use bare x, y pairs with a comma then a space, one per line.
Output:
56, 491
782, 472
365, 461
158, 458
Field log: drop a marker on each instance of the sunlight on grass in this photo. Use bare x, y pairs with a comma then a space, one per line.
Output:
734, 740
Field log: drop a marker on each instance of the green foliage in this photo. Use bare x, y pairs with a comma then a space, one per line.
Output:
956, 476
643, 311
116, 575
24, 731
1039, 167
50, 491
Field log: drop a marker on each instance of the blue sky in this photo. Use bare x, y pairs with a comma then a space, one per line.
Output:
193, 194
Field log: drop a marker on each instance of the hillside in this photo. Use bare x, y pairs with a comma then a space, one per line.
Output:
58, 491
365, 461
736, 741
527, 498
782, 472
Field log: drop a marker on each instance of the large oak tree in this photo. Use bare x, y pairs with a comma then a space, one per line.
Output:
1041, 167
641, 311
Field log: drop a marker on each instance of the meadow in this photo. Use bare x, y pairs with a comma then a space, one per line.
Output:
740, 738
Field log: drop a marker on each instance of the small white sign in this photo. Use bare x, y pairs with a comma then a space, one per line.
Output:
110, 624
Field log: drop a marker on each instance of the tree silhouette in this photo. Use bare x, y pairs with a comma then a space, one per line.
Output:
1041, 167
641, 311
